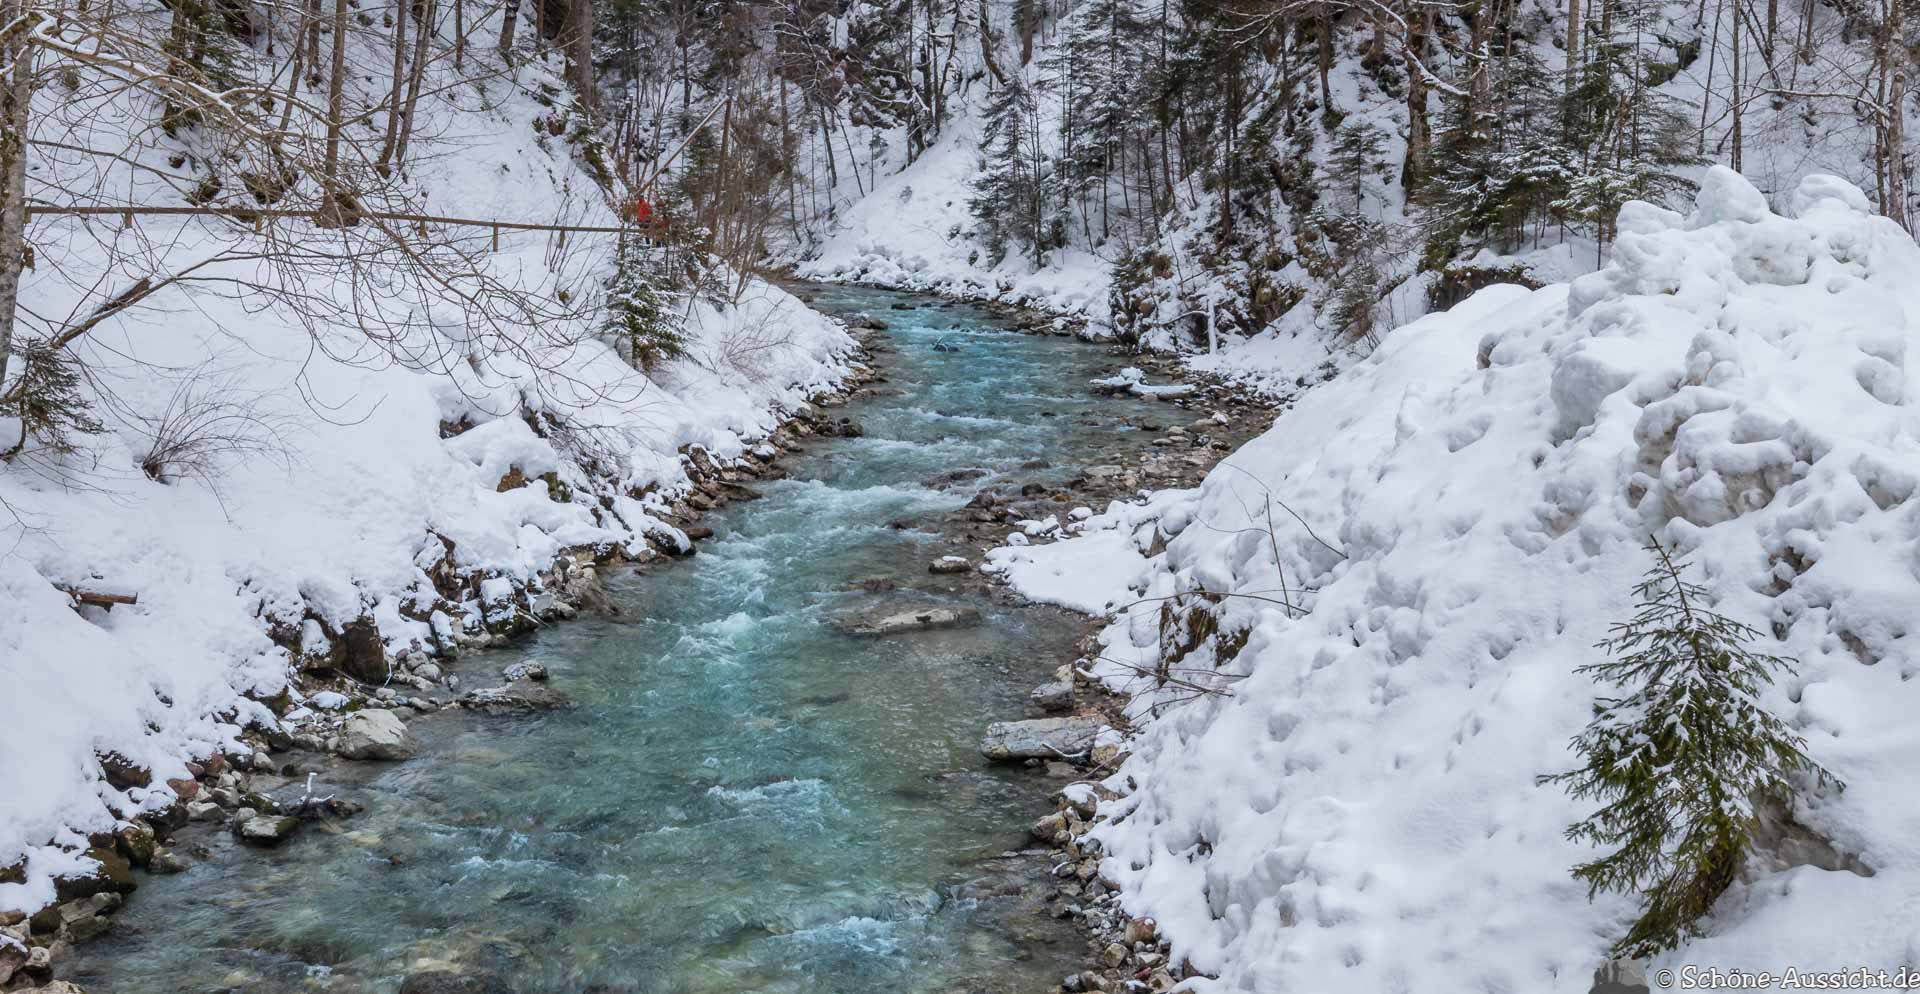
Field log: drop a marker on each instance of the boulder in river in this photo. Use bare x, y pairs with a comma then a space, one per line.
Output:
266, 830
914, 620
375, 734
950, 564
517, 696
1039, 738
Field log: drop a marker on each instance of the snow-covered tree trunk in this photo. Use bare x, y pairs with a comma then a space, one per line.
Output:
16, 60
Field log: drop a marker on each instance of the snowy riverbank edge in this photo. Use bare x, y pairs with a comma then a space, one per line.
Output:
1453, 523
317, 674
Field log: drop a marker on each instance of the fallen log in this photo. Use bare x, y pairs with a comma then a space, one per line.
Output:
98, 598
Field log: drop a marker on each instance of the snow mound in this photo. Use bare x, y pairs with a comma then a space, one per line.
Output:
1459, 518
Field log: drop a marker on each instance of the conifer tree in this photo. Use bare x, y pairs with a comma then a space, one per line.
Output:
50, 404
636, 315
1680, 758
1015, 189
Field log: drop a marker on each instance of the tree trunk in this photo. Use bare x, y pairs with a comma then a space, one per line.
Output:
333, 210
392, 140
459, 34
1324, 56
1415, 167
579, 49
421, 36
1573, 44
1896, 205
1479, 85
507, 22
1733, 68
1029, 19
313, 43
986, 47
16, 93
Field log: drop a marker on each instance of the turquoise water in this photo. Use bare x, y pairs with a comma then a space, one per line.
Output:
745, 798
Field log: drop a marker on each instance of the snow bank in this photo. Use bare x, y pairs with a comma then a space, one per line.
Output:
1358, 811
361, 493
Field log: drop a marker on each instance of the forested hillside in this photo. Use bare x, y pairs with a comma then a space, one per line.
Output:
1315, 169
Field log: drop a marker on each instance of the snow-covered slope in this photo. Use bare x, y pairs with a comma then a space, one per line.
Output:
912, 230
1357, 810
344, 489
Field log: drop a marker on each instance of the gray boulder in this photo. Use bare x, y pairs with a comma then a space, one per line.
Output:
1039, 738
1051, 698
375, 734
266, 830
914, 620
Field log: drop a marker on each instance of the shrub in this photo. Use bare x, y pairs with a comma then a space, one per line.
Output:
1680, 758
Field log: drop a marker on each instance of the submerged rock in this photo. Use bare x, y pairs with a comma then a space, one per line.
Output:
516, 697
166, 861
452, 982
1039, 738
375, 734
915, 620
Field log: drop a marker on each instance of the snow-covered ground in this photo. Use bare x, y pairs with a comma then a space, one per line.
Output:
913, 231
344, 490
1455, 521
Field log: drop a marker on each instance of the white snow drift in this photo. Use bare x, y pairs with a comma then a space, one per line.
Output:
1358, 811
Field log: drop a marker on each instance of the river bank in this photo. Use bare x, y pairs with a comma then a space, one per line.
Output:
352, 695
941, 521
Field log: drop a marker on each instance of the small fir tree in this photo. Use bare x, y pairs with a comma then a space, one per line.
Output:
1680, 758
49, 401
637, 316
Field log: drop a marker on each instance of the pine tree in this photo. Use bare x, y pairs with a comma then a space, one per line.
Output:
1680, 758
1495, 177
1629, 137
636, 315
50, 404
1014, 193
1097, 74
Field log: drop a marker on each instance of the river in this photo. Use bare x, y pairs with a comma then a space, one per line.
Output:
745, 798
